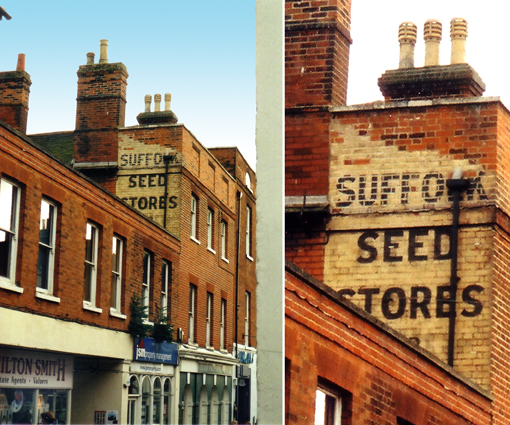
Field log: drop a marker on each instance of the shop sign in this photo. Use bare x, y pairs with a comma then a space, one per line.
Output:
148, 350
32, 369
216, 369
245, 357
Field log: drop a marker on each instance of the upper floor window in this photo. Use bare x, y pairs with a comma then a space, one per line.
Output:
91, 256
224, 240
332, 404
223, 323
208, 320
194, 217
116, 283
247, 319
9, 214
248, 232
146, 280
166, 278
248, 182
192, 313
210, 228
47, 236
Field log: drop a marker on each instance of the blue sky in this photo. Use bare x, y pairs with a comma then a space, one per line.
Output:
201, 52
375, 47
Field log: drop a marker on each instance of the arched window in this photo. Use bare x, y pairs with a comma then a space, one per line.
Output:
225, 407
166, 402
215, 404
134, 396
146, 400
156, 402
187, 418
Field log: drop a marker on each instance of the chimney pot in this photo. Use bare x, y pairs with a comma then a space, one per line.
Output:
103, 56
458, 35
157, 103
407, 38
168, 98
432, 34
20, 66
90, 58
148, 100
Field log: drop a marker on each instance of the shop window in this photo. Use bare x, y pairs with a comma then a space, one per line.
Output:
46, 258
187, 414
116, 284
203, 406
134, 395
166, 402
208, 320
332, 404
192, 313
210, 229
91, 256
157, 406
146, 280
224, 240
194, 218
249, 232
223, 323
9, 216
166, 279
146, 400
247, 297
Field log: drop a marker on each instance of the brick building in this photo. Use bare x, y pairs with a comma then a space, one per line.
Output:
401, 206
182, 220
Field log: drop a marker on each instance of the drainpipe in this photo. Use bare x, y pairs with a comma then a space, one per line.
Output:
238, 238
456, 185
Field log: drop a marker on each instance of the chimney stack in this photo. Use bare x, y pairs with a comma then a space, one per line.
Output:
433, 80
14, 94
158, 117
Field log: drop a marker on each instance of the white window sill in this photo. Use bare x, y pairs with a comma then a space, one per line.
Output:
224, 259
249, 257
211, 250
47, 297
90, 307
208, 347
117, 314
195, 240
10, 286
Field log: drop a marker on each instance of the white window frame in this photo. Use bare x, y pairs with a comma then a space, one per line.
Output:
116, 282
208, 321
247, 297
12, 216
93, 231
192, 313
146, 280
322, 395
224, 240
223, 323
249, 216
166, 272
194, 218
51, 224
210, 230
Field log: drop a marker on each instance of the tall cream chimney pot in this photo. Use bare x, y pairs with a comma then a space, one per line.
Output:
157, 103
103, 55
148, 100
407, 39
432, 34
168, 98
458, 35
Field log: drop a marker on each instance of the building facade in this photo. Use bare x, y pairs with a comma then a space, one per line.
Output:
400, 206
165, 223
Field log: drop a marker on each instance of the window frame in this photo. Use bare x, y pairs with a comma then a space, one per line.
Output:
9, 280
192, 314
194, 218
166, 279
247, 307
93, 264
116, 309
337, 407
249, 244
147, 262
224, 240
223, 323
48, 292
208, 321
210, 230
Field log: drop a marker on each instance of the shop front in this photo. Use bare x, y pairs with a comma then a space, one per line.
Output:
152, 383
33, 382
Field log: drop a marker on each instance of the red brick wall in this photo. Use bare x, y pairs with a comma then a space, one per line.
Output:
385, 375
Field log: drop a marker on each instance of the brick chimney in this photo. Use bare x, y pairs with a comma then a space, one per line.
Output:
432, 80
317, 44
101, 108
14, 93
157, 117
